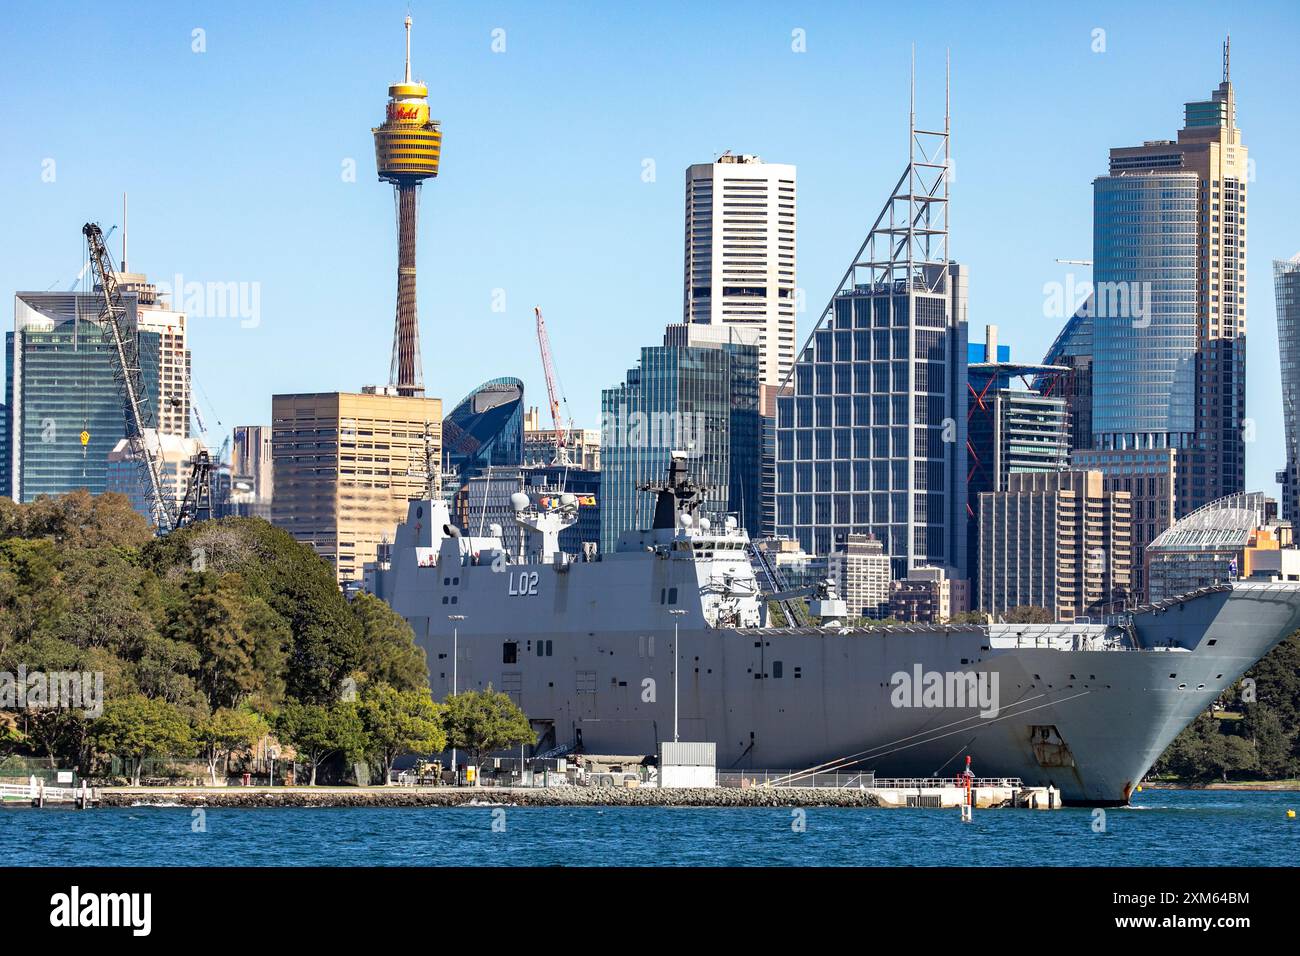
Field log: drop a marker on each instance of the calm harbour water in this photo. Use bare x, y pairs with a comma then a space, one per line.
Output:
1163, 828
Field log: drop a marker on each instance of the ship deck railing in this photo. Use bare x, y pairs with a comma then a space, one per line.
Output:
853, 780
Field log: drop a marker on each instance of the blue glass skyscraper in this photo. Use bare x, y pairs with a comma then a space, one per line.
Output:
697, 393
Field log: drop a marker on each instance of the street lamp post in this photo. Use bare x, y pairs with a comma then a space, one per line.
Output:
455, 664
677, 614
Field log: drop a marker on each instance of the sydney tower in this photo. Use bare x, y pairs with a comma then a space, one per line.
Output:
407, 147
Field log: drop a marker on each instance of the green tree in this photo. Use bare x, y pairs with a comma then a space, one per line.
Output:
1028, 614
400, 722
136, 727
389, 654
319, 731
480, 722
324, 644
225, 732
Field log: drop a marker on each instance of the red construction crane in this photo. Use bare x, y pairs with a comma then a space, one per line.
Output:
553, 395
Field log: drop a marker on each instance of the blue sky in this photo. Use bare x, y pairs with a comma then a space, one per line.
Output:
234, 159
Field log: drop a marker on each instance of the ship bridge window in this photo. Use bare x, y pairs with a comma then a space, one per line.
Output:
509, 652
544, 648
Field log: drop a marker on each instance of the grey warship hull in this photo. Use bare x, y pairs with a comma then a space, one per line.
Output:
1089, 721
588, 649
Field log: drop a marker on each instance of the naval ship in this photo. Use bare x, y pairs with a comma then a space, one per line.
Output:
666, 638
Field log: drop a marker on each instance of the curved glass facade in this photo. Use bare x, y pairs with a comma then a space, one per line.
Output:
485, 429
1145, 324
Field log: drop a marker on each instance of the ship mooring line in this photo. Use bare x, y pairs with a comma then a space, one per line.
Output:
841, 761
854, 758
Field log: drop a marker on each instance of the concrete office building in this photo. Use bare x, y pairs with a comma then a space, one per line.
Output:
740, 253
540, 443
1058, 541
345, 466
860, 570
927, 596
251, 456
173, 453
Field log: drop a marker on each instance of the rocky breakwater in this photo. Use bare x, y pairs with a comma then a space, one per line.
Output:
255, 797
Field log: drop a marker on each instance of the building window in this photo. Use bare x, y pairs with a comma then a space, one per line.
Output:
509, 652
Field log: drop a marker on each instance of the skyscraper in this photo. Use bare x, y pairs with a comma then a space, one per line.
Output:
65, 406
408, 147
1169, 310
1286, 287
740, 253
872, 437
698, 394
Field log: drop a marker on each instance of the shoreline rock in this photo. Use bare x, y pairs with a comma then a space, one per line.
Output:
248, 797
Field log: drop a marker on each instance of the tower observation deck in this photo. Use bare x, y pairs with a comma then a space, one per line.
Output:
407, 149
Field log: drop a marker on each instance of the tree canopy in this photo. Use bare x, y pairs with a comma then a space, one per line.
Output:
480, 722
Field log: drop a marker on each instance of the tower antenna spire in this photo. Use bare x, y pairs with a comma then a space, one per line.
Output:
1227, 59
408, 48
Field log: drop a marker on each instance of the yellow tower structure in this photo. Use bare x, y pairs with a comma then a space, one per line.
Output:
407, 148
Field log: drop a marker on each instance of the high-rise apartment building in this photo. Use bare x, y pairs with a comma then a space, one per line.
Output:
345, 466
65, 404
740, 253
1057, 541
1169, 305
1286, 287
1150, 477
697, 394
860, 570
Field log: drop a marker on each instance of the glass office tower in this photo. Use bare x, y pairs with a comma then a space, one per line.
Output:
60, 384
1145, 236
1169, 310
873, 440
696, 393
1286, 286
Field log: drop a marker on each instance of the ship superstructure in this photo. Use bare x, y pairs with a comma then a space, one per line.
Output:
588, 645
